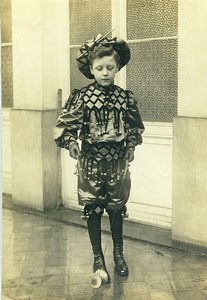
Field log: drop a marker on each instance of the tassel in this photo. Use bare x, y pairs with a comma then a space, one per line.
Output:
116, 169
106, 120
88, 122
98, 119
101, 122
111, 173
97, 174
118, 123
89, 172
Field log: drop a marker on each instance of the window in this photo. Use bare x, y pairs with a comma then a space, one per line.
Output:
87, 19
6, 52
152, 72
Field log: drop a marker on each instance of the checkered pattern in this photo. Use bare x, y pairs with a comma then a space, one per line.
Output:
96, 115
96, 97
107, 151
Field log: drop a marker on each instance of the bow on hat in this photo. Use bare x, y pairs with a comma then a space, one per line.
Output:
118, 44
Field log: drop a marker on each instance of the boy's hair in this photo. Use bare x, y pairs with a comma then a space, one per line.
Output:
101, 51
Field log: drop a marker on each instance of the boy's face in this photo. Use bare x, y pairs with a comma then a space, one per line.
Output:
104, 70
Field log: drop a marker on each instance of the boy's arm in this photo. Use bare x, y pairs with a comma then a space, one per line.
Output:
69, 121
134, 122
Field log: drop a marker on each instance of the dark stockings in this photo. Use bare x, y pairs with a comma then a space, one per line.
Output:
94, 230
116, 223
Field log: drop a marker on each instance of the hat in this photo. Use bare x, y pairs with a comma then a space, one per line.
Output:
118, 44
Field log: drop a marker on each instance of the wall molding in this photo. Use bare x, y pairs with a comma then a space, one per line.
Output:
158, 133
152, 39
154, 214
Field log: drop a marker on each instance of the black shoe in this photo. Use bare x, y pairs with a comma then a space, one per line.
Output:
120, 263
99, 264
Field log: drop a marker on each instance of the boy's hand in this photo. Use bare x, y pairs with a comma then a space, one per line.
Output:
129, 155
74, 150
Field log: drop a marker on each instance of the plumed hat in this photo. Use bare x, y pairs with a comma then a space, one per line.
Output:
118, 44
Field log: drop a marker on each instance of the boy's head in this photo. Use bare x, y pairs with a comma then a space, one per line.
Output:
107, 51
104, 64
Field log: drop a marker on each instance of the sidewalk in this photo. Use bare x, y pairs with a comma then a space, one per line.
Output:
44, 259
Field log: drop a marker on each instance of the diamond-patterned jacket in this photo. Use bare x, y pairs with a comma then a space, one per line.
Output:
97, 114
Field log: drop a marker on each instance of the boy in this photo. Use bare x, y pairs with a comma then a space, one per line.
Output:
109, 126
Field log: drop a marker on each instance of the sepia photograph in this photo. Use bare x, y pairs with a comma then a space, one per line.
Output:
104, 149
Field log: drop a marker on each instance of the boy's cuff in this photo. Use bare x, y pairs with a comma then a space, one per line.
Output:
130, 145
68, 140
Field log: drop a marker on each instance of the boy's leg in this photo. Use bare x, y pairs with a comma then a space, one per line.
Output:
91, 194
116, 223
94, 229
118, 194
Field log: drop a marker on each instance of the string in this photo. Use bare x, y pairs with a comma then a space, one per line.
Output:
107, 241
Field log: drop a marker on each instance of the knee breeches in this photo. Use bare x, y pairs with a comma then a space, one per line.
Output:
105, 182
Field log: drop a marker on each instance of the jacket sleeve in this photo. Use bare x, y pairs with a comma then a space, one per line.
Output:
134, 122
69, 121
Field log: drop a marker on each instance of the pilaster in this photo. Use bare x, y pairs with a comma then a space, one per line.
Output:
40, 69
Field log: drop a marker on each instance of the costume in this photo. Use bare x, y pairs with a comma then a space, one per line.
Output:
108, 123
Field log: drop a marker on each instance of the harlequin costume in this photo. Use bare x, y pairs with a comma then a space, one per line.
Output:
107, 121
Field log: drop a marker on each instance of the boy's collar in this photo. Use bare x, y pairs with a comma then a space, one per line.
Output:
109, 88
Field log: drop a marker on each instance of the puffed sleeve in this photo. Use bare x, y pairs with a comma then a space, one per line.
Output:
69, 121
134, 122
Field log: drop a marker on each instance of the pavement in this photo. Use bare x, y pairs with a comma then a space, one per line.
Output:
45, 259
